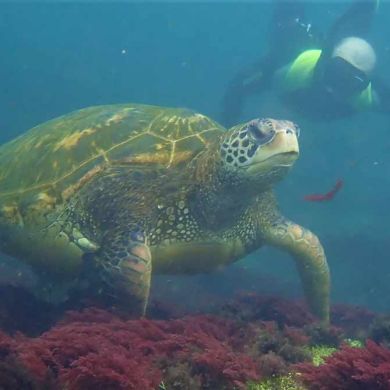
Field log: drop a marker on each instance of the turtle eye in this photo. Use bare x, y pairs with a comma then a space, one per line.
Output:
261, 131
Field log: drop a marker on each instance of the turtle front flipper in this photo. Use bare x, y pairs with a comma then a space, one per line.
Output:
124, 266
310, 259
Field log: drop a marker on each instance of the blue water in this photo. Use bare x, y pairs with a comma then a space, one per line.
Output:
59, 57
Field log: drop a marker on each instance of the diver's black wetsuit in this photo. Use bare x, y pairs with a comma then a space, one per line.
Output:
290, 35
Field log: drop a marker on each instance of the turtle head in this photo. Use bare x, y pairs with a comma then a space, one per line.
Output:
262, 149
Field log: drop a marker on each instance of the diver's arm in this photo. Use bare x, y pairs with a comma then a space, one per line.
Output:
248, 82
288, 35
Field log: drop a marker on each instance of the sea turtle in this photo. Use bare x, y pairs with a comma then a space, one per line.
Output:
108, 194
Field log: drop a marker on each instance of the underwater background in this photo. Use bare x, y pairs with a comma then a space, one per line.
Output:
248, 328
62, 56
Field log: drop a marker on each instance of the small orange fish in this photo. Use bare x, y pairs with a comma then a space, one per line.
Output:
327, 196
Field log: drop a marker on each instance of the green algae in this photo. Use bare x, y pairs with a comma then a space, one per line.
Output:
285, 382
319, 353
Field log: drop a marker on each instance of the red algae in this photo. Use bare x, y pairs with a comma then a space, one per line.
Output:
251, 338
350, 369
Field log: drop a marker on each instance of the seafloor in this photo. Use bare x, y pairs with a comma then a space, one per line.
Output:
249, 342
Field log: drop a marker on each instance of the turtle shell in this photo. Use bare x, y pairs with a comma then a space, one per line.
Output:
52, 160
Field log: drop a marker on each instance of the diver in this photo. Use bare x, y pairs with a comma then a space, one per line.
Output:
325, 77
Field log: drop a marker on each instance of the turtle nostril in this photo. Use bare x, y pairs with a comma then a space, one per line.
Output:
289, 131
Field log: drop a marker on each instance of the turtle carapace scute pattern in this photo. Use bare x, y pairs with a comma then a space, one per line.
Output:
107, 195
